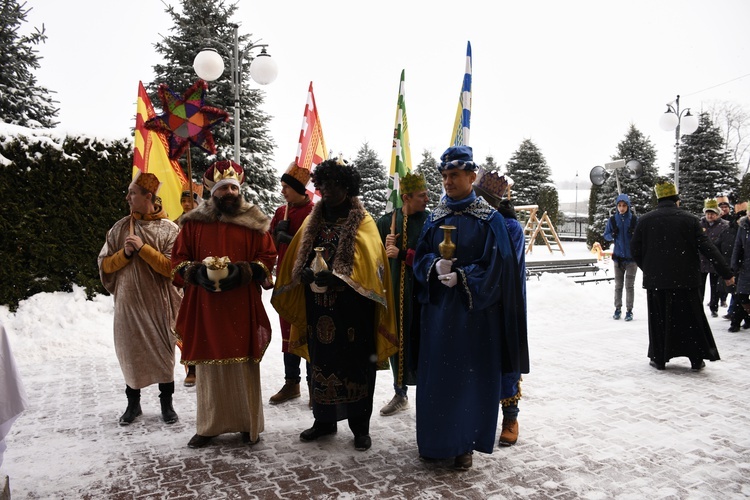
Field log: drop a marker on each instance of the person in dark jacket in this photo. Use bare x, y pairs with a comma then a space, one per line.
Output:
714, 227
740, 264
666, 246
727, 249
620, 228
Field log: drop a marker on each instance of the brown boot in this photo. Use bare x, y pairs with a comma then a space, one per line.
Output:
289, 391
509, 434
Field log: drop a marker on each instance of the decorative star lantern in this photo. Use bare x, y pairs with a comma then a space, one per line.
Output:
187, 120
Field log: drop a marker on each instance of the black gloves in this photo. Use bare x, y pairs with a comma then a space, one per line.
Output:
308, 276
327, 278
281, 232
257, 271
282, 237
282, 227
240, 274
196, 274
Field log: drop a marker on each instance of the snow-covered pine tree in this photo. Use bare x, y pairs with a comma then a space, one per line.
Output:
641, 190
22, 101
433, 179
706, 167
207, 23
532, 179
490, 165
743, 191
373, 191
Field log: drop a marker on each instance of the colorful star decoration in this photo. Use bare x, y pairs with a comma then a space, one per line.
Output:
186, 120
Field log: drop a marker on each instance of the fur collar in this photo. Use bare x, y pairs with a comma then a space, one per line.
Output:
343, 263
248, 216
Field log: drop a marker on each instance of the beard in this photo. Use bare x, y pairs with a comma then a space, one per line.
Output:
229, 204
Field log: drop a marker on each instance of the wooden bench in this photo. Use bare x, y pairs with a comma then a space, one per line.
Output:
576, 267
594, 279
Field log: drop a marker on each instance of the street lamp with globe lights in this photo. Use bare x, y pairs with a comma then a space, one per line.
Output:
209, 66
681, 122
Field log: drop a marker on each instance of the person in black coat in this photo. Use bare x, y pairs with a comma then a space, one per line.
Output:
666, 245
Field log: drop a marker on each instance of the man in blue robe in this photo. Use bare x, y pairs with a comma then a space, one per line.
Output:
472, 314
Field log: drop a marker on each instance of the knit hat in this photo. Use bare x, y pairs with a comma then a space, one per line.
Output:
222, 173
491, 184
147, 181
665, 189
412, 183
296, 177
461, 157
710, 205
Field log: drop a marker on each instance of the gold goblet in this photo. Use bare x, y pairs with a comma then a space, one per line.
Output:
446, 247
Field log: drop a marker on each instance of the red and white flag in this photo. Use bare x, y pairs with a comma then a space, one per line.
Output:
311, 149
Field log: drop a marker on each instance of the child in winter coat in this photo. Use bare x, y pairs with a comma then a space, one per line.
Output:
620, 229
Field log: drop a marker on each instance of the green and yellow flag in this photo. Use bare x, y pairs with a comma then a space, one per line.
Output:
401, 153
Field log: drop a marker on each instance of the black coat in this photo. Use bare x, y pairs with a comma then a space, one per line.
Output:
666, 246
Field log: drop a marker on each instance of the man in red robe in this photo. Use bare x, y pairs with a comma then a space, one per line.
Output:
284, 225
223, 324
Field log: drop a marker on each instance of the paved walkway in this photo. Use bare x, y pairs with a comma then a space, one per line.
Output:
596, 422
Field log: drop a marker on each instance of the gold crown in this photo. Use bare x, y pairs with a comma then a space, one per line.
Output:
493, 183
711, 204
222, 170
665, 189
412, 183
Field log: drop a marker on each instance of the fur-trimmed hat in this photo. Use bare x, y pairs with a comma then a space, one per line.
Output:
711, 205
492, 184
147, 181
722, 199
222, 173
412, 183
665, 189
296, 177
460, 157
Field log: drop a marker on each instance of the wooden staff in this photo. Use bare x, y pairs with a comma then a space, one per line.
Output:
190, 177
131, 224
286, 211
393, 222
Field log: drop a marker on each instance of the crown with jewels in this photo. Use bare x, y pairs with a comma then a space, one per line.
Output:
492, 183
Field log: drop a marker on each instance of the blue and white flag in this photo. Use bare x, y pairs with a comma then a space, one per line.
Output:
460, 136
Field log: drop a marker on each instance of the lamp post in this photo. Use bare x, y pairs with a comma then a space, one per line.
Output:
576, 231
674, 119
209, 66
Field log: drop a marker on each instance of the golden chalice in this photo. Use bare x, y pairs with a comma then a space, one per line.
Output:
446, 247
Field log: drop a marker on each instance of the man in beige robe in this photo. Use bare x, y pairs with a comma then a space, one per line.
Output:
135, 267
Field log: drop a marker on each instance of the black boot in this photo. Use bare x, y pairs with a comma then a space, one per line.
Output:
134, 406
167, 412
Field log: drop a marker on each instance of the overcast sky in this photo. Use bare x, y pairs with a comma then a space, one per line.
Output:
571, 76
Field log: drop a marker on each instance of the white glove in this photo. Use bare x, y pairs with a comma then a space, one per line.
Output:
443, 266
450, 280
